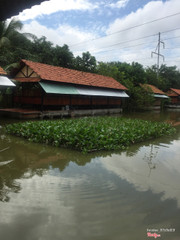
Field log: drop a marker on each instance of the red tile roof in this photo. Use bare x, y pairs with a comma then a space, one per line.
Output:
172, 94
65, 75
152, 88
2, 72
177, 91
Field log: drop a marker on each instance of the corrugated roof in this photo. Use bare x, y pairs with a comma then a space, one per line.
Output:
177, 91
101, 92
2, 72
153, 88
65, 75
5, 81
160, 96
55, 88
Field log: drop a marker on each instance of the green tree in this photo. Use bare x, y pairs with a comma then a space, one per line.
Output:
85, 63
108, 69
169, 77
9, 31
131, 76
42, 50
13, 44
62, 56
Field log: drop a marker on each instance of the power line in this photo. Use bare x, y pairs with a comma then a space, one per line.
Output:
126, 29
170, 30
136, 44
171, 48
132, 40
123, 47
171, 38
98, 52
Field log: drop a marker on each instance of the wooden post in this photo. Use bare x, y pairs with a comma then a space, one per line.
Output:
42, 100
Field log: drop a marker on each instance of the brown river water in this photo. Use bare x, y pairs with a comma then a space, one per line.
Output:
48, 193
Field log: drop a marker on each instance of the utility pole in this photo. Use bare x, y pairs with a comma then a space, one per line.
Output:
157, 52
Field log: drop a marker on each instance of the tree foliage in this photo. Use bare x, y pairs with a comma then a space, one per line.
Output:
132, 75
86, 63
8, 31
15, 46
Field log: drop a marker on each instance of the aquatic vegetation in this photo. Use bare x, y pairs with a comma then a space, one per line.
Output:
90, 133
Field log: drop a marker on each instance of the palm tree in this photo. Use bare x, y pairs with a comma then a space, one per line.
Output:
8, 31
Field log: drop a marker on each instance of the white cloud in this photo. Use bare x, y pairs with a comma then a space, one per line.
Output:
134, 43
64, 34
126, 45
151, 11
52, 6
119, 4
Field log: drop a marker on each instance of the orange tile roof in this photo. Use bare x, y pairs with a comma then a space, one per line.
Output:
2, 72
177, 91
172, 94
153, 88
65, 75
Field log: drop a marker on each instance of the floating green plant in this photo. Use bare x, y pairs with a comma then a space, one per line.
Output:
90, 133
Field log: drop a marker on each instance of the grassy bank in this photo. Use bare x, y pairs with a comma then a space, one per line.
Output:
90, 133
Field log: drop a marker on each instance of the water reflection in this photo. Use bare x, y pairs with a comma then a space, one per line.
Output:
20, 159
154, 167
51, 193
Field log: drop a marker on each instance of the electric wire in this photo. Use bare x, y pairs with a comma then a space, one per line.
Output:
126, 29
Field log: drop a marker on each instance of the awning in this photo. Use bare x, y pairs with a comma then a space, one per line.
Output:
101, 92
160, 96
6, 82
86, 91
58, 89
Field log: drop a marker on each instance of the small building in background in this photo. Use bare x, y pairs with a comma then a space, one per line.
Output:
159, 96
174, 95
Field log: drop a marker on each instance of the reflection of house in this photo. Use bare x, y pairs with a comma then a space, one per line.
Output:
174, 95
158, 95
4, 80
44, 87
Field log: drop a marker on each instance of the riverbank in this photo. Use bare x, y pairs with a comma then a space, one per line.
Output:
90, 133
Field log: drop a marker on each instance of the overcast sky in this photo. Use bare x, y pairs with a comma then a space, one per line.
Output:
111, 30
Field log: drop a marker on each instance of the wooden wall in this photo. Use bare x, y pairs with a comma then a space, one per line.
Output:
52, 100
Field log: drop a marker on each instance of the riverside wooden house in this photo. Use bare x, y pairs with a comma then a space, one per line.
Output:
174, 95
44, 87
159, 96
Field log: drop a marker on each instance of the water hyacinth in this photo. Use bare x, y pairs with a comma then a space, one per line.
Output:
90, 133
